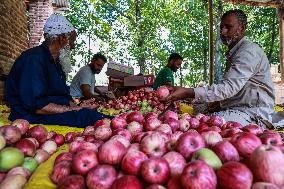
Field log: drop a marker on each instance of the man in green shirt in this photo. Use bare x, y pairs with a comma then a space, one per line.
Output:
165, 76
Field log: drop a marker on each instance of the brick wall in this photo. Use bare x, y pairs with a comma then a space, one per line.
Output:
13, 35
39, 11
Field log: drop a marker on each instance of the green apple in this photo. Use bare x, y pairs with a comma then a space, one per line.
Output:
144, 103
10, 157
30, 164
209, 157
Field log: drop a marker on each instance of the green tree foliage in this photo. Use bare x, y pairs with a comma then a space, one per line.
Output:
145, 32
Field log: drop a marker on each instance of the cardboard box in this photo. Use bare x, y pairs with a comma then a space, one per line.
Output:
135, 81
119, 70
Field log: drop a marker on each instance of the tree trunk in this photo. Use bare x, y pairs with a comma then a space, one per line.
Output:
140, 33
218, 44
273, 35
181, 77
281, 33
205, 55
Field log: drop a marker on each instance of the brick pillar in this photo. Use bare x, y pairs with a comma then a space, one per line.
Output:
39, 11
13, 35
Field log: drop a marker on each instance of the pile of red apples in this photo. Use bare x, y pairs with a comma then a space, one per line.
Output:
135, 151
134, 100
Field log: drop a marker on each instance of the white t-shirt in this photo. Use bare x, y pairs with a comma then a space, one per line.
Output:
84, 76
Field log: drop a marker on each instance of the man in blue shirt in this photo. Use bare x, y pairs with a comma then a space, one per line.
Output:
36, 87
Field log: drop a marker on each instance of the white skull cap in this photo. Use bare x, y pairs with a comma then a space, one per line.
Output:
57, 24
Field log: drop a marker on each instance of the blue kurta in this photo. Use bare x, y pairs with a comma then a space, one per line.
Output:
34, 81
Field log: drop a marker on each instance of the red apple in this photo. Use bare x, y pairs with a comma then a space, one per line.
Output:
69, 137
72, 182
170, 114
27, 147
164, 128
38, 132
155, 170
194, 123
230, 132
163, 92
2, 177
152, 123
176, 135
183, 125
138, 137
253, 128
188, 143
82, 145
203, 127
264, 185
102, 122
265, 163
153, 145
156, 186
211, 137
22, 124
11, 134
198, 175
101, 176
89, 138
58, 139
174, 183
271, 138
90, 130
226, 151
65, 156
84, 161
132, 161
118, 123
203, 119
111, 152
34, 141
173, 123
127, 182
216, 121
245, 143
134, 128
176, 162
122, 132
135, 116
60, 171
103, 133
234, 175
121, 139
185, 116
232, 124
213, 128
151, 115
50, 135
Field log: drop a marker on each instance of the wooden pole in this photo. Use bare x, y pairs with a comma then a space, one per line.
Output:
211, 44
281, 32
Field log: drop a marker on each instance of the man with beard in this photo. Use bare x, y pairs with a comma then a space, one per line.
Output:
246, 93
36, 87
165, 76
83, 84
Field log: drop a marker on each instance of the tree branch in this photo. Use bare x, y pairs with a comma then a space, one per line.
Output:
117, 10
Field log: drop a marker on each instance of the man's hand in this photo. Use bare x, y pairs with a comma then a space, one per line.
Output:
179, 93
